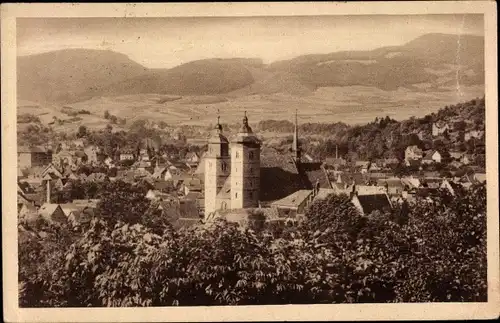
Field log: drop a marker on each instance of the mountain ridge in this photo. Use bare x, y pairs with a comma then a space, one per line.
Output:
72, 75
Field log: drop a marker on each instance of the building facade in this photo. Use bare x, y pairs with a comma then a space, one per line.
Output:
217, 169
245, 168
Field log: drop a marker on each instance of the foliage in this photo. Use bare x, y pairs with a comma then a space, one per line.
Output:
336, 256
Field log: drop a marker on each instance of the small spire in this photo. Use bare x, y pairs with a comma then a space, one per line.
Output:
218, 126
245, 127
295, 144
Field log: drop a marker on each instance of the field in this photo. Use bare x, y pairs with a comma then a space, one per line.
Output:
350, 104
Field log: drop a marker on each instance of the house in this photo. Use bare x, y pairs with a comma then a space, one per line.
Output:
369, 200
410, 182
108, 161
413, 153
474, 134
52, 213
52, 169
97, 177
450, 186
374, 167
70, 207
81, 217
293, 204
389, 162
394, 186
92, 152
431, 156
127, 155
439, 128
192, 158
64, 157
28, 157
362, 166
192, 184
334, 162
156, 195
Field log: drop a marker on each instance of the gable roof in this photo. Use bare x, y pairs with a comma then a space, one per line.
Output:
293, 200
373, 202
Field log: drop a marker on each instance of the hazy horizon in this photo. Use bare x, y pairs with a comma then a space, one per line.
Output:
168, 42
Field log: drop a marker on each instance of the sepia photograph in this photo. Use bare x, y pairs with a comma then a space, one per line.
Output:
236, 159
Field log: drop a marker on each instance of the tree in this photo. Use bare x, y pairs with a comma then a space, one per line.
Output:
106, 114
82, 132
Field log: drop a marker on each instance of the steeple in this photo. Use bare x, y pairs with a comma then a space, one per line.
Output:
295, 144
245, 128
218, 126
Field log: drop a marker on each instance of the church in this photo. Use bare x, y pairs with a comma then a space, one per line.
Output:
241, 173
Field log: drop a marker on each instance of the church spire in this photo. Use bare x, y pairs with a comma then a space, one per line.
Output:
218, 126
295, 145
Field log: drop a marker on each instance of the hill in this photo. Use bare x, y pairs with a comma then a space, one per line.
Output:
202, 77
65, 75
433, 61
433, 58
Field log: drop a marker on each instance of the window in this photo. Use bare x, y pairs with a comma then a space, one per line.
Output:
251, 170
223, 166
236, 194
237, 154
250, 155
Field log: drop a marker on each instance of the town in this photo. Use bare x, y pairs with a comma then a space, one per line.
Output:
233, 175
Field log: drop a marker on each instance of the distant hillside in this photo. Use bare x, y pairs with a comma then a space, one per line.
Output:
203, 77
432, 58
65, 75
432, 61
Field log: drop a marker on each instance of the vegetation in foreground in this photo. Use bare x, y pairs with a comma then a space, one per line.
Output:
434, 251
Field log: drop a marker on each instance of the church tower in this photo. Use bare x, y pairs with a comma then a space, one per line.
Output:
217, 167
295, 145
245, 168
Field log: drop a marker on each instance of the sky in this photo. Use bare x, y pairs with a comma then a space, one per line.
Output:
168, 42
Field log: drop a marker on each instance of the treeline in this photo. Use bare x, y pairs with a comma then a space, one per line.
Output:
127, 256
388, 138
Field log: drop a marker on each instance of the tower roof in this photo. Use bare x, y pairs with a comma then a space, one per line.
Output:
245, 134
216, 136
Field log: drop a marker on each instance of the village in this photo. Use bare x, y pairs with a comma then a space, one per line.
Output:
193, 190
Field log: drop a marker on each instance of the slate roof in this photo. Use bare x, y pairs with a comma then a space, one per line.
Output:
49, 210
373, 202
323, 193
293, 200
314, 173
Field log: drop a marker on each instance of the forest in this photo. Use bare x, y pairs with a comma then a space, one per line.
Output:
129, 255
